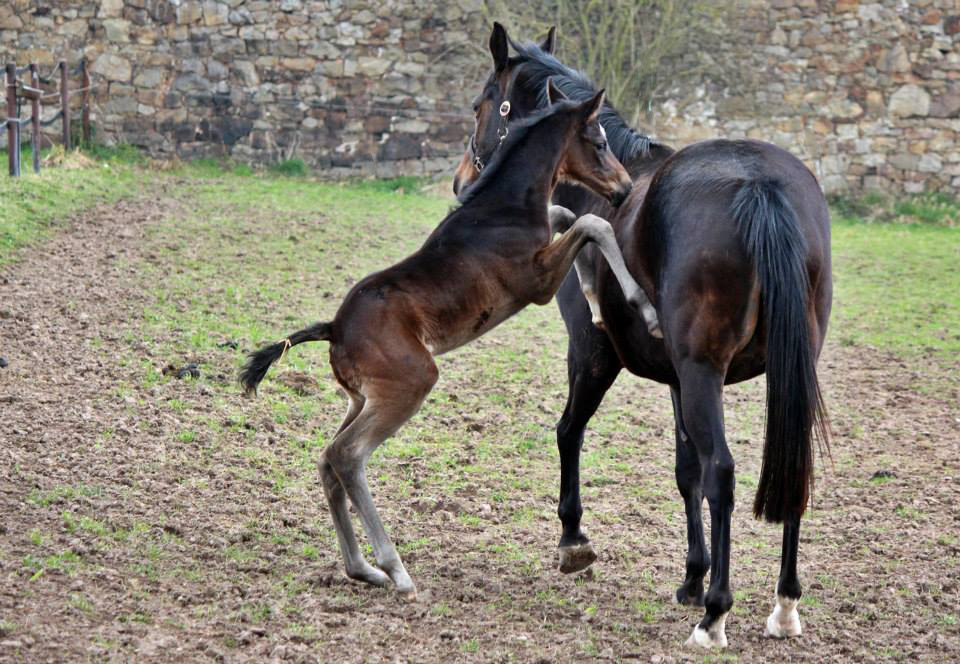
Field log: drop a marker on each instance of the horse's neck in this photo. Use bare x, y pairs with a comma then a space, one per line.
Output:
528, 173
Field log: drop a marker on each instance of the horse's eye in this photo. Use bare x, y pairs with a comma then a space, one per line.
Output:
602, 146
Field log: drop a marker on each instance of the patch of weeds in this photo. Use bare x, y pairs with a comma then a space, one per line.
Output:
36, 538
907, 512
291, 168
186, 436
81, 603
647, 610
67, 562
440, 609
880, 480
948, 619
471, 646
62, 494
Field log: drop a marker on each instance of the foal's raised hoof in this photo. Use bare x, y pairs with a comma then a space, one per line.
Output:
576, 558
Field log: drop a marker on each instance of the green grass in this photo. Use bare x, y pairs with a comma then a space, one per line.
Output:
291, 168
897, 286
31, 204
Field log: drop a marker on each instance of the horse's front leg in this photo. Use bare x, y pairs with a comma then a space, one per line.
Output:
554, 260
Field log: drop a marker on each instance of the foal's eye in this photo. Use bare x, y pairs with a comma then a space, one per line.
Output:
601, 146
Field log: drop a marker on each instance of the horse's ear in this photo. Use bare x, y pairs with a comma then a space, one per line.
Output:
499, 47
591, 108
554, 94
550, 42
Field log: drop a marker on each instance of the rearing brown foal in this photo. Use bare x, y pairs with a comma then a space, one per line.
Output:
486, 261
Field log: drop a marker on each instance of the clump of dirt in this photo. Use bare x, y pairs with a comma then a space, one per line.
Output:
301, 383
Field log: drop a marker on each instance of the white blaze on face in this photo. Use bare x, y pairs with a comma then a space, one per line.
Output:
603, 132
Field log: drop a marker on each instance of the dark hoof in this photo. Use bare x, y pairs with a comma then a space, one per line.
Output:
576, 558
686, 597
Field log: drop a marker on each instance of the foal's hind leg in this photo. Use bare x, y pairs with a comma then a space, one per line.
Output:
356, 567
785, 621
389, 404
592, 367
688, 482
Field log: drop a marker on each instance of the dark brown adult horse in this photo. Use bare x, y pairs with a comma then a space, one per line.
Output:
731, 242
486, 261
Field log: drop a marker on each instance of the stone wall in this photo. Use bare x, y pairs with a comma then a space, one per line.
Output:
867, 93
371, 87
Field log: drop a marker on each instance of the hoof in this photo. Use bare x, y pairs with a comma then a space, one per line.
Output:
686, 598
576, 558
714, 636
369, 574
408, 595
784, 622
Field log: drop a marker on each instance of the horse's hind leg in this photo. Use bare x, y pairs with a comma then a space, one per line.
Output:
389, 404
592, 367
701, 388
688, 482
785, 621
356, 567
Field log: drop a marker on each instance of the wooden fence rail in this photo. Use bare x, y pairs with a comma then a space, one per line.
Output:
32, 90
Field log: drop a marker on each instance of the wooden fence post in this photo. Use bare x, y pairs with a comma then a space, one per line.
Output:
65, 103
35, 117
86, 104
12, 118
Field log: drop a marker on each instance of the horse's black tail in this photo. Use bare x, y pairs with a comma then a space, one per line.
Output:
259, 361
770, 232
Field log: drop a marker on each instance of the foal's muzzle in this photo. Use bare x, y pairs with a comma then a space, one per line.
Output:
619, 195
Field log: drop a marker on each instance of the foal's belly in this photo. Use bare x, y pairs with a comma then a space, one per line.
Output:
472, 323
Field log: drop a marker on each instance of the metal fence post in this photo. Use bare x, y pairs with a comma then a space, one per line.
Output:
12, 119
35, 117
86, 104
65, 103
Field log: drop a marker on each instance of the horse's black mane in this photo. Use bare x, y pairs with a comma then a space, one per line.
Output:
539, 66
518, 130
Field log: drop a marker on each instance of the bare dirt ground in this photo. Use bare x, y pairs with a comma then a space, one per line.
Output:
149, 518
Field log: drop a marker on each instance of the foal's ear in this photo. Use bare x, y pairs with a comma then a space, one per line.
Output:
550, 42
499, 47
554, 94
591, 108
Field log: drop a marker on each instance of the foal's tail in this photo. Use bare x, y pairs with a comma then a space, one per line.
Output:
769, 229
256, 367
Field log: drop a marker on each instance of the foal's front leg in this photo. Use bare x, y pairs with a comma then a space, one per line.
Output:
554, 261
561, 219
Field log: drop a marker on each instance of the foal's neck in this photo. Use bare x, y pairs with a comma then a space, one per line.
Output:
529, 173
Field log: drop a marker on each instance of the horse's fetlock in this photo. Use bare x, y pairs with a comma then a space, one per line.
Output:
717, 602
